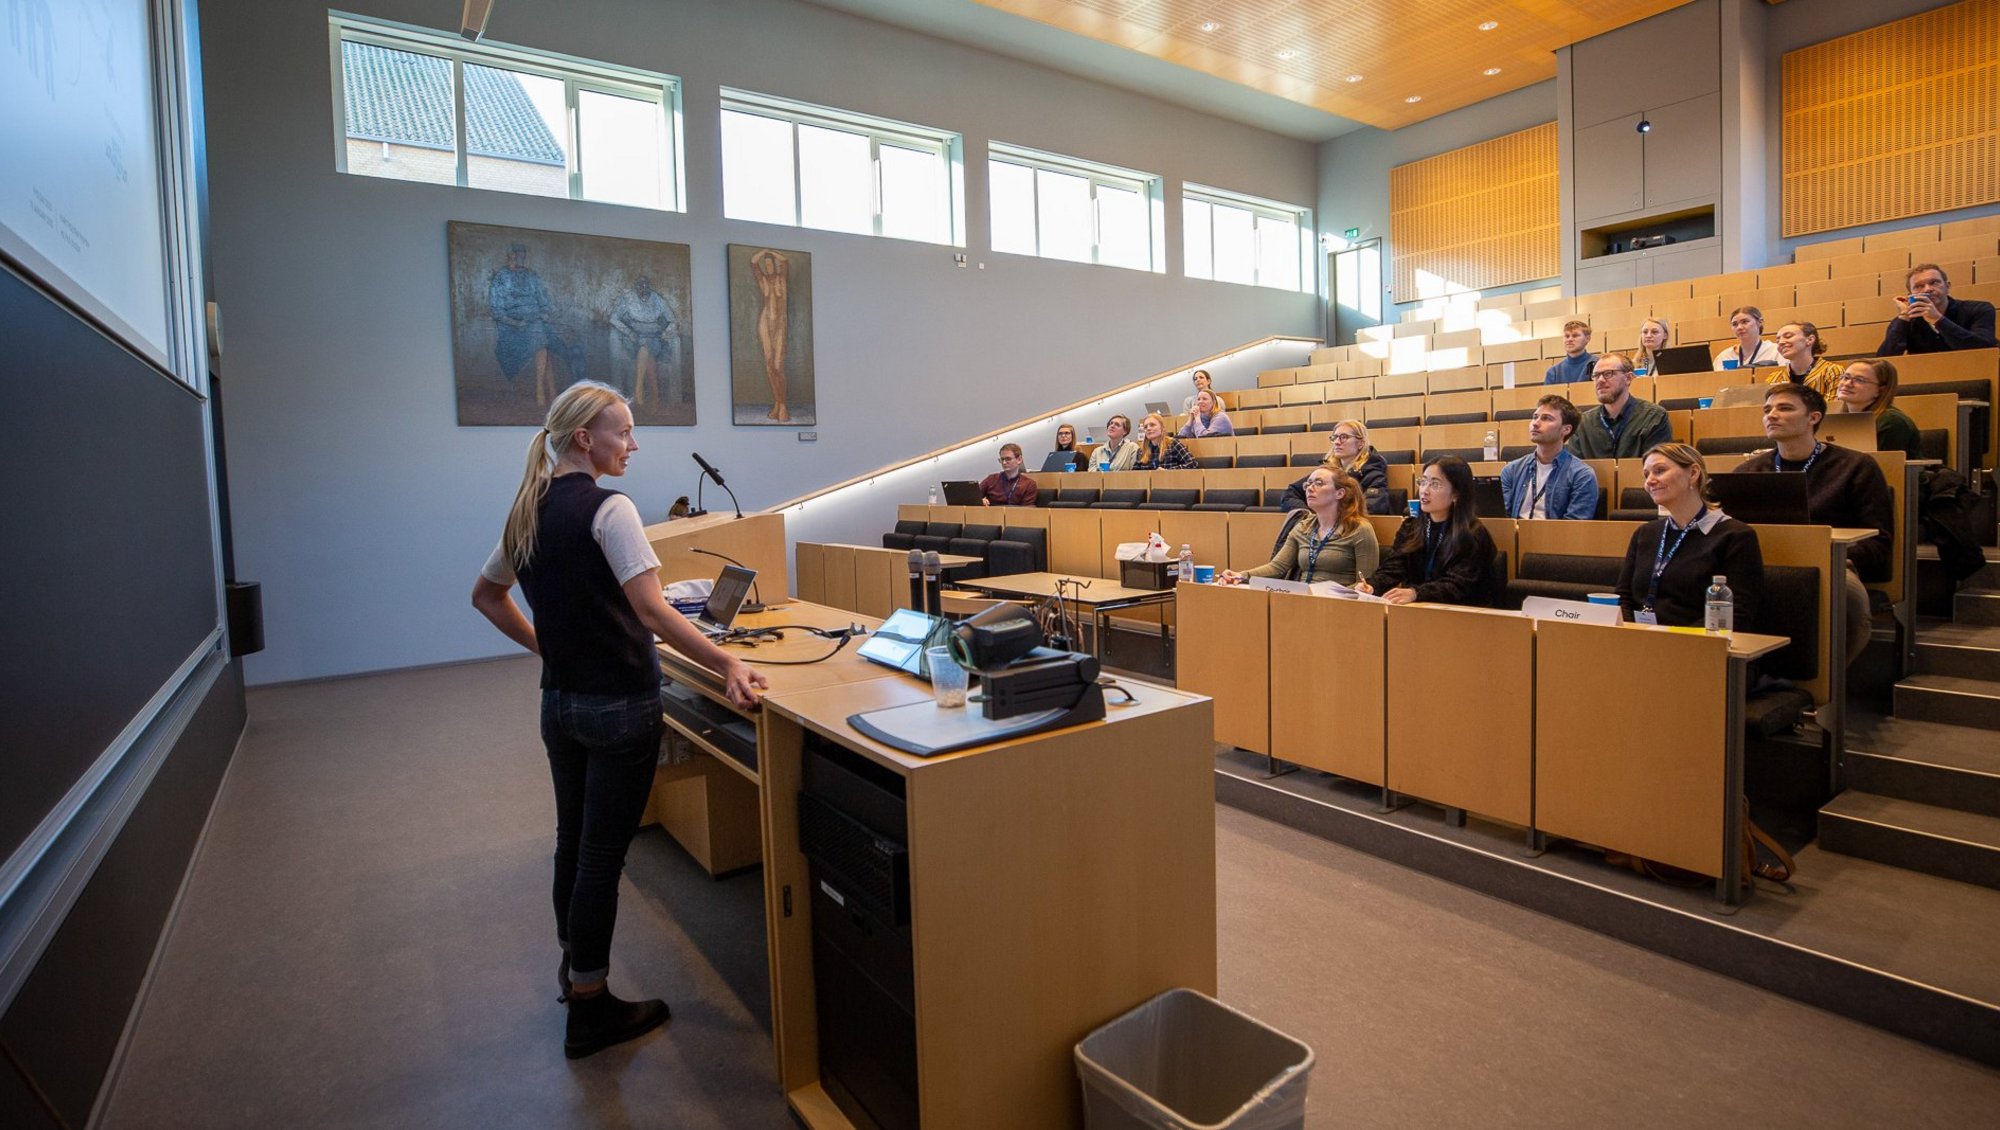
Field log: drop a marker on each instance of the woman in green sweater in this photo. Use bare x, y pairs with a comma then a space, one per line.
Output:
1870, 386
1330, 542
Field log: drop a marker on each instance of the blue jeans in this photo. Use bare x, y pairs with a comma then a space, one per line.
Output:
603, 750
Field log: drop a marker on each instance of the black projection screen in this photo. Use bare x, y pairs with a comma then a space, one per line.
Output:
106, 549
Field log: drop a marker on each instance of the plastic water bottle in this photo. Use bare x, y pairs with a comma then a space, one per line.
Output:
1492, 446
933, 494
1721, 607
1187, 566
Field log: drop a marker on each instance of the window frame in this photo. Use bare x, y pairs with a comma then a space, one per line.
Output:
1150, 187
948, 145
577, 76
1259, 208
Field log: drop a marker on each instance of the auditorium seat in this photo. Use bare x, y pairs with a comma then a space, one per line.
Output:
1325, 426
1790, 607
1020, 549
973, 541
1965, 390
1455, 418
1398, 456
1283, 429
904, 536
1122, 499
1730, 445
1562, 576
1308, 458
1681, 403
1512, 452
1217, 462
1514, 414
1227, 499
1274, 501
936, 537
1469, 454
1177, 498
1074, 498
1272, 460
1393, 421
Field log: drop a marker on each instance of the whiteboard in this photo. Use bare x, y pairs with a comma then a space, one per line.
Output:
80, 190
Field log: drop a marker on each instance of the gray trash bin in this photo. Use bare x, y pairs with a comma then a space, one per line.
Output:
1186, 1061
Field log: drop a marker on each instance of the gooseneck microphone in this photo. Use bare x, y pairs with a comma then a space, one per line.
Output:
916, 580
756, 601
712, 473
933, 601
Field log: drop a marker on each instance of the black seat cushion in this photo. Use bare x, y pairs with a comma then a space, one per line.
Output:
1283, 429
1634, 514
1217, 462
969, 547
931, 543
980, 533
1790, 607
1261, 460
1174, 498
1730, 445
1076, 496
1036, 538
1934, 443
1455, 418
904, 535
1774, 710
1636, 498
1274, 497
1514, 414
1130, 499
1393, 421
1007, 557
1469, 454
1307, 459
1230, 496
1681, 403
1981, 391
1515, 451
943, 529
1562, 576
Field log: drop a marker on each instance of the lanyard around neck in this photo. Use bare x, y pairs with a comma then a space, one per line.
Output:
1778, 460
1312, 559
1536, 496
1666, 555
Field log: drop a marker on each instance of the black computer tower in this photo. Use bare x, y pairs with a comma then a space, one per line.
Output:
854, 832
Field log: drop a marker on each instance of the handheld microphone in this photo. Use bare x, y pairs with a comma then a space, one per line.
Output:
756, 601
916, 580
933, 601
712, 473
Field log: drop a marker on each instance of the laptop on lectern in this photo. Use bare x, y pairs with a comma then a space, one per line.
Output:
725, 600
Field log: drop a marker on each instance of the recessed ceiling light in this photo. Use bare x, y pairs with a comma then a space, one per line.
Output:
1491, 71
1489, 25
1209, 25
1414, 98
1288, 53
1354, 78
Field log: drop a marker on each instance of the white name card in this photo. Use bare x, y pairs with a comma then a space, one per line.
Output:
1572, 611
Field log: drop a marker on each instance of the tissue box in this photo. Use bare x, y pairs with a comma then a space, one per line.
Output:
1147, 574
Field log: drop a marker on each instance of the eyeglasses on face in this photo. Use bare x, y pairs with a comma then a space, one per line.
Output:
1346, 437
1433, 484
1855, 379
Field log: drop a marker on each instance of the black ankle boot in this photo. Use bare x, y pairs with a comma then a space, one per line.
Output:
562, 979
599, 1021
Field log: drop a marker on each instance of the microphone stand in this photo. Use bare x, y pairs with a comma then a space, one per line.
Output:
756, 597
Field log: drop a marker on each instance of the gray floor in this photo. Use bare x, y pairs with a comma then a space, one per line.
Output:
365, 942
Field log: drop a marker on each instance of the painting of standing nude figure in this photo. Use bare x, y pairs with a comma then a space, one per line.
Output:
770, 336
533, 312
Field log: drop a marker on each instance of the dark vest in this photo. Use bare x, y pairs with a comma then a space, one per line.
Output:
591, 640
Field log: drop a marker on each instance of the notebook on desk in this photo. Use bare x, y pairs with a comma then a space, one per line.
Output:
1760, 498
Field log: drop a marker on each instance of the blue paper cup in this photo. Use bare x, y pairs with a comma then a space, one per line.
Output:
1705, 401
1415, 508
1732, 364
1204, 574
1610, 598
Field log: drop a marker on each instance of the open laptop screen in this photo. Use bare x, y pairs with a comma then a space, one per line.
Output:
727, 597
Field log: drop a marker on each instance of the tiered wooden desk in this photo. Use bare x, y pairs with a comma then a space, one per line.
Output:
1492, 713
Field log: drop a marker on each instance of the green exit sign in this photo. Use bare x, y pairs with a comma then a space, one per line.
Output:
1352, 233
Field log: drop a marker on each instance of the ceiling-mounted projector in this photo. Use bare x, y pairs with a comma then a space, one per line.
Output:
473, 23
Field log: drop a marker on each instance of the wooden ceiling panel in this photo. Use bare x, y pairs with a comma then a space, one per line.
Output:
1305, 50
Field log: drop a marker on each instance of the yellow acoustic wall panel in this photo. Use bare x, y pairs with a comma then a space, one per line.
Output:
1899, 120
1482, 216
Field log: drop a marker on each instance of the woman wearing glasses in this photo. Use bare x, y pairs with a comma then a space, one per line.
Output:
1351, 453
1870, 386
1442, 555
1330, 542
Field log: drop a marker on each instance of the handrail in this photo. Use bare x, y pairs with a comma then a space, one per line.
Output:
1029, 419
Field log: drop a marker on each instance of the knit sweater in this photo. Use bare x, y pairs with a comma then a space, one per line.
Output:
1718, 546
1642, 427
1845, 489
1345, 558
1467, 577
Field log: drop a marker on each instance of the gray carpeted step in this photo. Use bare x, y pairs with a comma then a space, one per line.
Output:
1949, 699
1976, 606
1920, 837
1970, 651
1931, 762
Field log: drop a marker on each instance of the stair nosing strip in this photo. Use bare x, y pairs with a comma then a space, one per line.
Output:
1913, 831
1925, 764
1949, 690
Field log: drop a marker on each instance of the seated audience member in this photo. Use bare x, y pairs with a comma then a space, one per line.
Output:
1117, 453
1653, 336
1008, 486
1549, 482
1444, 555
1330, 542
1870, 386
1207, 419
1747, 323
1622, 426
1930, 320
1065, 437
1159, 451
1348, 449
1672, 560
1201, 381
1844, 488
1800, 346
1577, 357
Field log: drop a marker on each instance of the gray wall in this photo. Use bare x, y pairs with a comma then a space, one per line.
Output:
363, 508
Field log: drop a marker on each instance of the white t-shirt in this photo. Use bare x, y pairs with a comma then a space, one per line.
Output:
617, 530
1766, 353
1538, 490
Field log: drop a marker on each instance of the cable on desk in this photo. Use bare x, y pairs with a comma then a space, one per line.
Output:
748, 637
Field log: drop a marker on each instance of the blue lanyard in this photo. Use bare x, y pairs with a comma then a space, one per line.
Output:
1666, 555
1011, 484
1619, 428
1536, 495
1778, 461
1312, 561
1430, 561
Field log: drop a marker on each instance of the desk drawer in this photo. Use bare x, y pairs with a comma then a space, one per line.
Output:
722, 730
